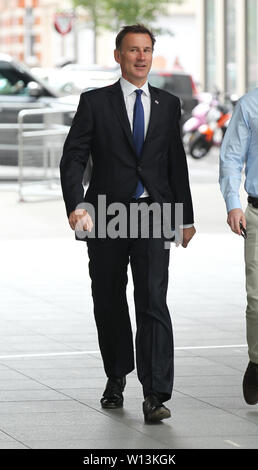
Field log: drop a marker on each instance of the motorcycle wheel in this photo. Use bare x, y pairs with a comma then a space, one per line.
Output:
186, 140
198, 146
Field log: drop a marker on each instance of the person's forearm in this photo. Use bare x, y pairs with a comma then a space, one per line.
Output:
232, 157
229, 185
178, 174
75, 155
71, 174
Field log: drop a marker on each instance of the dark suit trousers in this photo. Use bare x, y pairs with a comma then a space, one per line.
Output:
149, 260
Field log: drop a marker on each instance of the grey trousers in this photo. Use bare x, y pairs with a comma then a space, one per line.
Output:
251, 269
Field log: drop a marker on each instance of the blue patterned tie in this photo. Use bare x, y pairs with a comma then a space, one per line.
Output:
138, 134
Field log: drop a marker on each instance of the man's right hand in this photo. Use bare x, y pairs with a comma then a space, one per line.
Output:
235, 216
80, 220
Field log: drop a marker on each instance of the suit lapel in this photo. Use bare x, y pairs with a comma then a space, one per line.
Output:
154, 113
118, 104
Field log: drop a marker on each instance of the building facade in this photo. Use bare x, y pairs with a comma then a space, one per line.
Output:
181, 33
21, 29
229, 45
28, 34
214, 40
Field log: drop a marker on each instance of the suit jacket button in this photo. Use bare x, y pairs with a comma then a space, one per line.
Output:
139, 168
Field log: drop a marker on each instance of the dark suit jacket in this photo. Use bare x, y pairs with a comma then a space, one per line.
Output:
101, 127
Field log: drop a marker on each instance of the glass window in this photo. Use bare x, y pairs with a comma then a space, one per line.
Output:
210, 45
252, 44
29, 35
15, 77
230, 45
12, 82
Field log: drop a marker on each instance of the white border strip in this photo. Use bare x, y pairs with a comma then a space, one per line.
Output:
80, 353
221, 346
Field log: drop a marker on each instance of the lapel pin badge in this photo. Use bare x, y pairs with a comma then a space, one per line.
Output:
156, 101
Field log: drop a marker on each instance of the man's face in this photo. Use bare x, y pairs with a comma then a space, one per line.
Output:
135, 57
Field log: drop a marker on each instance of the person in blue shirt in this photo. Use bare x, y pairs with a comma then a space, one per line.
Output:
240, 149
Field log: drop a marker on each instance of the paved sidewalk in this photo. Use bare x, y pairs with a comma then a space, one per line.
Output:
51, 373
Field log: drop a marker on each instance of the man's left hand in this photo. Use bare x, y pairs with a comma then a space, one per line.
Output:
188, 234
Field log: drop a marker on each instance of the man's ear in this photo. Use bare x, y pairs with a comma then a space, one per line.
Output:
117, 55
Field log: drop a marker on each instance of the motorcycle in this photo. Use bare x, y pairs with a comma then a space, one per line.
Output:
199, 117
212, 132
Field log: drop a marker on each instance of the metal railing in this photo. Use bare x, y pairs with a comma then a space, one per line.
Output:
48, 137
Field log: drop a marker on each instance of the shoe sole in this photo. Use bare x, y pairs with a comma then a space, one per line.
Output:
157, 415
111, 407
251, 403
247, 400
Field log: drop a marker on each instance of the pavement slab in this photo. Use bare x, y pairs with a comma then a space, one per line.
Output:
51, 372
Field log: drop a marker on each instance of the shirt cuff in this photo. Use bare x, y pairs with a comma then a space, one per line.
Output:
233, 202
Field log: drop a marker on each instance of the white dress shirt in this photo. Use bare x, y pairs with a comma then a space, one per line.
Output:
128, 90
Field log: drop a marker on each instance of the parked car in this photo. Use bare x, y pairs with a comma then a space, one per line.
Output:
76, 78
180, 84
20, 89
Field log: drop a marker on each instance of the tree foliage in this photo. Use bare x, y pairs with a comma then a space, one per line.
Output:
112, 14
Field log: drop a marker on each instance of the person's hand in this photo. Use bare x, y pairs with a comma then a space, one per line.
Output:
188, 234
235, 216
80, 220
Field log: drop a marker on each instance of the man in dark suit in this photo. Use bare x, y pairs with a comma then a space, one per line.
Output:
131, 130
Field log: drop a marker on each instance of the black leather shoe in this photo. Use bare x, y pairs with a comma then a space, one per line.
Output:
113, 393
250, 384
154, 410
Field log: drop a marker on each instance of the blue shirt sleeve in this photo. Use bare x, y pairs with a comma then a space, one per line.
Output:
233, 155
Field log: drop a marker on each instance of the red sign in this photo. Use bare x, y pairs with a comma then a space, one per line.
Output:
63, 22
